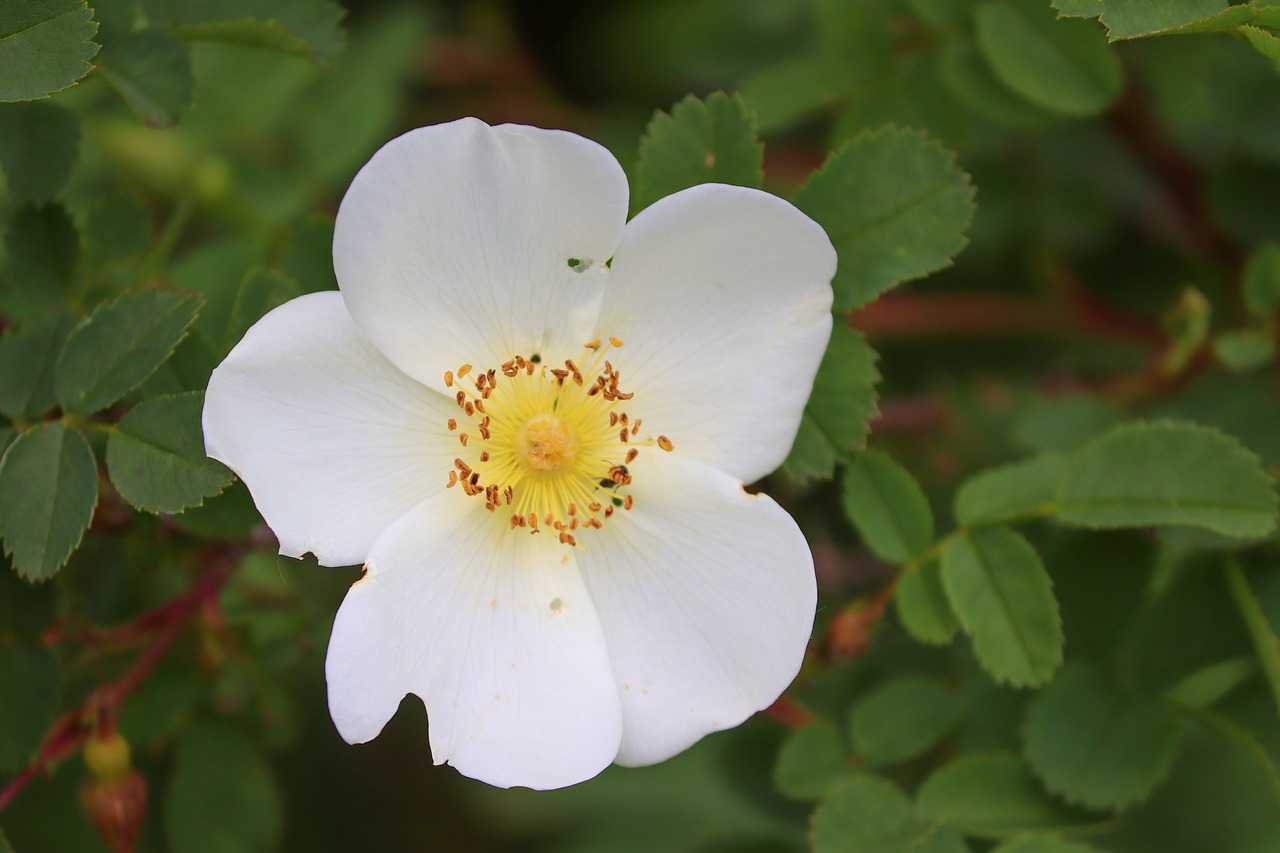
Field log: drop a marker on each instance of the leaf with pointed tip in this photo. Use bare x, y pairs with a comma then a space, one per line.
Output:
1010, 493
887, 506
27, 356
152, 72
45, 46
922, 605
311, 28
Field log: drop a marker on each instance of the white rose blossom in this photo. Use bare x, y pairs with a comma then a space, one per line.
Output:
531, 421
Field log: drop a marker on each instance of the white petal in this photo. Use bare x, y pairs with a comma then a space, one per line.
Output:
452, 244
332, 440
494, 630
722, 296
707, 595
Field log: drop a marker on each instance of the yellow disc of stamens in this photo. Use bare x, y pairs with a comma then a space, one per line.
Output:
548, 442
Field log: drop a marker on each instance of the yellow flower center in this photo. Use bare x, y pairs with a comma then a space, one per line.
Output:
548, 447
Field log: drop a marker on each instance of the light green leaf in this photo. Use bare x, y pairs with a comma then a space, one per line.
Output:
886, 505
923, 607
28, 698
697, 143
5, 846
784, 94
48, 488
970, 78
1262, 281
1167, 473
311, 28
867, 814
261, 290
809, 760
834, 424
1045, 844
1064, 424
901, 719
43, 249
1097, 746
119, 345
118, 229
152, 71
1078, 8
994, 796
941, 13
156, 458
27, 356
896, 207
1002, 596
222, 796
45, 46
38, 146
1131, 18
1207, 685
1062, 65
1263, 41
1019, 491
1261, 631
1244, 350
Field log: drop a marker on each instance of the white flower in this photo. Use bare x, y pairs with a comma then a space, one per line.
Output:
480, 417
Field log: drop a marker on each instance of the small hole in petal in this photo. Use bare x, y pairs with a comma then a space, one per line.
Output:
579, 264
536, 358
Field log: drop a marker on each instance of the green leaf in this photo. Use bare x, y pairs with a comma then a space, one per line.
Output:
156, 457
867, 814
1078, 8
27, 356
1261, 631
1125, 19
901, 719
5, 846
261, 290
698, 142
43, 249
45, 46
26, 609
886, 505
835, 421
311, 28
1262, 281
1002, 596
1244, 350
1045, 844
810, 759
1062, 65
896, 207
941, 14
118, 229
1206, 686
152, 72
1097, 746
782, 95
1263, 41
923, 607
1064, 424
1019, 491
38, 146
994, 796
970, 78
221, 796
119, 345
28, 698
1168, 473
48, 488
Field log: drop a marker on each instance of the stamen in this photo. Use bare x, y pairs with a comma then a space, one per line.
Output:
665, 443
464, 370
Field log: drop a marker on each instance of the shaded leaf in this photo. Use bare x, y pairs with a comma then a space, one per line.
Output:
968, 75
886, 505
784, 94
1167, 473
43, 249
1002, 596
48, 488
922, 605
1206, 686
1096, 745
1062, 65
1244, 350
1264, 42
38, 147
152, 71
902, 718
1126, 19
28, 699
261, 290
156, 458
117, 346
311, 28
1022, 490
45, 46
1263, 634
1045, 844
1065, 423
896, 207
1262, 281
810, 759
835, 421
27, 356
118, 229
867, 814
697, 143
1078, 8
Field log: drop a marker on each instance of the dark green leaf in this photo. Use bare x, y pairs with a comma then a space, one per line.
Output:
994, 796
230, 515
1261, 631
5, 846
38, 146
156, 457
902, 718
1264, 42
886, 505
834, 424
1062, 65
43, 250
969, 76
1045, 844
1133, 18
48, 488
1096, 745
261, 290
1002, 596
45, 46
784, 94
867, 814
152, 71
222, 796
1262, 281
26, 609
923, 607
941, 13
119, 345
1078, 8
28, 697
1206, 686
27, 356
811, 758
1167, 473
1244, 350
1014, 492
698, 142
896, 207
1063, 424
310, 28
118, 229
